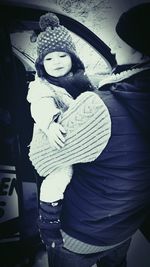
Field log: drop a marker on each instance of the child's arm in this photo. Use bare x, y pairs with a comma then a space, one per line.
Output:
43, 107
45, 113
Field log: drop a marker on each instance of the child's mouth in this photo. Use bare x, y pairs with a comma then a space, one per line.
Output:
59, 68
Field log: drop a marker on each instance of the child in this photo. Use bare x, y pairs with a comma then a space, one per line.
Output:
60, 79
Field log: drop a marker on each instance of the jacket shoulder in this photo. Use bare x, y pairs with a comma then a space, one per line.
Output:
39, 89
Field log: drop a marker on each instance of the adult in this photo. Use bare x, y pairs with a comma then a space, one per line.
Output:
108, 199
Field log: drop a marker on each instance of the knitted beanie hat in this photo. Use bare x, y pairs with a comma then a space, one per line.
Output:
54, 37
133, 28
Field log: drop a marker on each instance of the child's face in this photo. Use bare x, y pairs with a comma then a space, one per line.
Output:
57, 64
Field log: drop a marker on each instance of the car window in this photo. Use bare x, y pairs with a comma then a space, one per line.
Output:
93, 61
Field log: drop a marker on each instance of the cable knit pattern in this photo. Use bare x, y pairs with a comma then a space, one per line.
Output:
87, 123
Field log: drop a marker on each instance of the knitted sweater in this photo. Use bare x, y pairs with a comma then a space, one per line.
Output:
88, 127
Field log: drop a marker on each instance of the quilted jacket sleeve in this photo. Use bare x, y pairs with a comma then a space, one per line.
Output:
43, 107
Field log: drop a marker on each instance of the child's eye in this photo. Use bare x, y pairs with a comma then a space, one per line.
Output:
49, 58
63, 55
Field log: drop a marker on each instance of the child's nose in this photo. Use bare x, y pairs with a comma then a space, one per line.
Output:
57, 60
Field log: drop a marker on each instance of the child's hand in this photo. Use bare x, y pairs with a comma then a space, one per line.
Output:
56, 135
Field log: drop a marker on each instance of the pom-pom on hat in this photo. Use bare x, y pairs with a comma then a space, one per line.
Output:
133, 28
54, 37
